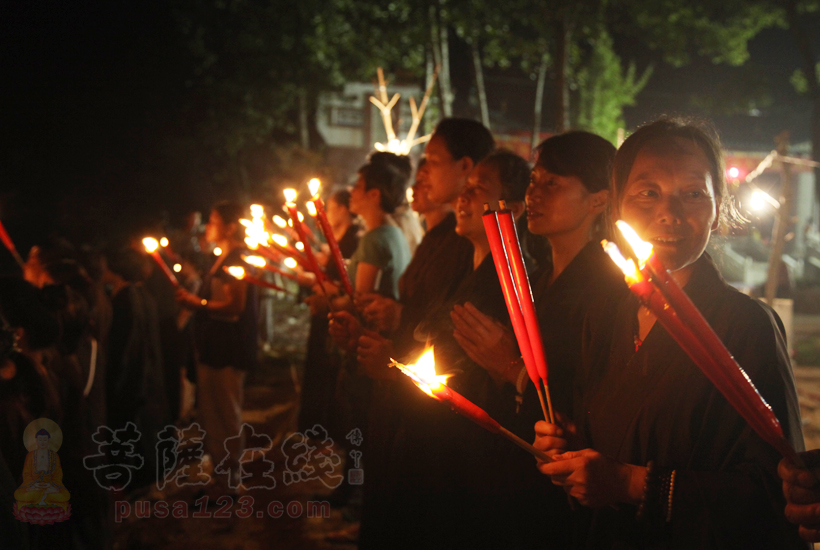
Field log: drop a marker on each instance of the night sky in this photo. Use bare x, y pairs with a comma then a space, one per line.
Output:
94, 115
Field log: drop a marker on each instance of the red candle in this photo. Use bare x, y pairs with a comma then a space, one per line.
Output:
699, 341
300, 230
152, 247
466, 408
502, 268
522, 284
4, 236
335, 253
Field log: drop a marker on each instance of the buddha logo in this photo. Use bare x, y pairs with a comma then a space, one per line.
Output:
42, 499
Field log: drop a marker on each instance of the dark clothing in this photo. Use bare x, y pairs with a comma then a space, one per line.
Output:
588, 282
224, 341
442, 260
323, 360
444, 469
656, 404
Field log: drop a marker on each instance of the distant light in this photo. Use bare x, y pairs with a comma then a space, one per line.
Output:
290, 223
760, 199
290, 262
409, 194
311, 208
734, 172
290, 195
163, 242
217, 251
299, 245
177, 268
300, 216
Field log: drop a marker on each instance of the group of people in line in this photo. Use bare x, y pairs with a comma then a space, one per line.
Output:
645, 452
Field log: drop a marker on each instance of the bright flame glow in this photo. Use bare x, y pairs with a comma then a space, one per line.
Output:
252, 243
643, 250
299, 245
163, 242
246, 223
217, 251
280, 221
313, 186
177, 268
280, 240
311, 208
300, 216
150, 244
257, 261
290, 195
290, 223
734, 172
236, 271
290, 262
423, 373
630, 270
257, 211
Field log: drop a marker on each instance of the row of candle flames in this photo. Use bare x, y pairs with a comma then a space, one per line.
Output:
643, 272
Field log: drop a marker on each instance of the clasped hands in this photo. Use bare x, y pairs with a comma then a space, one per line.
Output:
595, 480
801, 487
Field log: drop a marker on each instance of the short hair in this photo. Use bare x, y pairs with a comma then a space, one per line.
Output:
663, 130
42, 431
513, 172
342, 198
583, 155
389, 173
465, 138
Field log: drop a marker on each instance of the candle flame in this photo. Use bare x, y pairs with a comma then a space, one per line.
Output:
313, 187
630, 270
643, 250
150, 244
299, 245
257, 261
252, 243
290, 262
290, 195
246, 223
236, 271
257, 211
311, 208
163, 242
280, 221
423, 373
279, 239
217, 251
300, 216
177, 268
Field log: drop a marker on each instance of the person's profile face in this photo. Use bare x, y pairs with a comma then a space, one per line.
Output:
441, 172
483, 186
215, 229
557, 205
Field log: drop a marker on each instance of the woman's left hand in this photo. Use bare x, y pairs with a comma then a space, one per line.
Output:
594, 479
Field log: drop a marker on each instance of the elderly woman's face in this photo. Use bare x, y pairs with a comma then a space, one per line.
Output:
670, 201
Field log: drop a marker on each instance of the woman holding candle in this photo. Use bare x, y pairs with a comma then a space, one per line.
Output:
566, 202
226, 333
382, 254
666, 461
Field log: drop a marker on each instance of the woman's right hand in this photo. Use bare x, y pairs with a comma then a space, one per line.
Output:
550, 438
